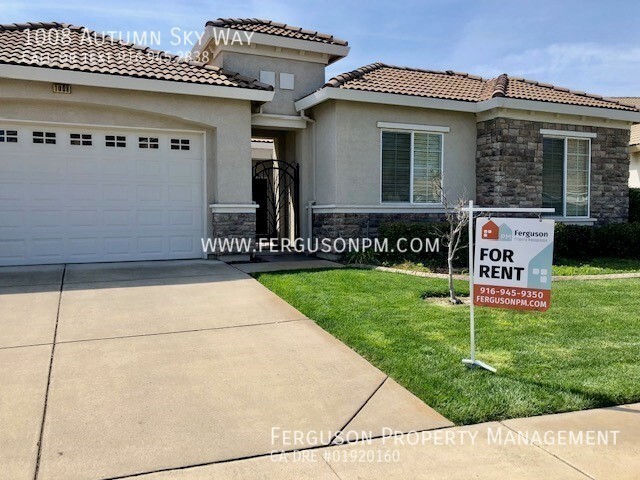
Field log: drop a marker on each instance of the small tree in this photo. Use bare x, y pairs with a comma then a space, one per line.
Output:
457, 219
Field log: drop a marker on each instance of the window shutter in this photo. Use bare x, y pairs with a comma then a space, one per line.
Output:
553, 174
577, 177
396, 166
427, 151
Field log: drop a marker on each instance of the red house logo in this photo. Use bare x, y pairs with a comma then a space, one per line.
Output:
490, 231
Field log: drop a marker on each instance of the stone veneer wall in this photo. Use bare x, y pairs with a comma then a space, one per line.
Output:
234, 225
509, 166
361, 225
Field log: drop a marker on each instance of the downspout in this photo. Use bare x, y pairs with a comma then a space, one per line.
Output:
313, 176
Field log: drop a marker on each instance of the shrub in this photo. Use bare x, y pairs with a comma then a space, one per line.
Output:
394, 231
619, 240
634, 205
362, 257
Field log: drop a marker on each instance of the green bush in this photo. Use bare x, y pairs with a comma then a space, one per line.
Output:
619, 240
435, 230
634, 205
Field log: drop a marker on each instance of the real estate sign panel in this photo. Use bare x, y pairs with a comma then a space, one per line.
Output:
512, 263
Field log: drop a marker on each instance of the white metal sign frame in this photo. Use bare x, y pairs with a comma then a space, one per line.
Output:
472, 361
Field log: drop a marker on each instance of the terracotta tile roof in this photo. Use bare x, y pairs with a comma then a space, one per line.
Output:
379, 77
635, 129
89, 51
274, 28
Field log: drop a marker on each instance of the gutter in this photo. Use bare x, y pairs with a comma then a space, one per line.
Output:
313, 174
333, 93
54, 75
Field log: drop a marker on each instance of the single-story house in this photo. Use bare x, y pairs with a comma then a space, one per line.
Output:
111, 151
634, 145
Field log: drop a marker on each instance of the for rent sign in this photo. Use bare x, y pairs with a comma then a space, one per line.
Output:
512, 263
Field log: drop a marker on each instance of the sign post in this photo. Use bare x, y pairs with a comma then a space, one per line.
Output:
511, 265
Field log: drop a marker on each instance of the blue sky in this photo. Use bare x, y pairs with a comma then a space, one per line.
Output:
584, 45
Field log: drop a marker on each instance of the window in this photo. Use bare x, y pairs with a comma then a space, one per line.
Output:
9, 136
411, 167
180, 144
115, 141
147, 142
565, 175
44, 137
83, 139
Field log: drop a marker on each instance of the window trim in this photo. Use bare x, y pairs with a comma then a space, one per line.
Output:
413, 132
565, 138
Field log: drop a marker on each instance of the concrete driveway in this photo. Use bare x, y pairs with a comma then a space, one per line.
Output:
114, 370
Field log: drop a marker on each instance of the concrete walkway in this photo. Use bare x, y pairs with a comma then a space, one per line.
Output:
605, 446
114, 370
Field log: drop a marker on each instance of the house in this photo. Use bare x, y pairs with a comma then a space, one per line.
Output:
634, 145
111, 151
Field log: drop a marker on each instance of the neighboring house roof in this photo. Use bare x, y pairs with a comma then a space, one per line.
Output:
635, 129
382, 78
274, 28
92, 52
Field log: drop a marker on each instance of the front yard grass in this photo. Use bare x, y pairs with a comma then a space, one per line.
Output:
562, 267
596, 266
584, 352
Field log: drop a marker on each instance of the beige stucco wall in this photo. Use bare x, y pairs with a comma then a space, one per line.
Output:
634, 170
227, 123
350, 161
309, 76
326, 154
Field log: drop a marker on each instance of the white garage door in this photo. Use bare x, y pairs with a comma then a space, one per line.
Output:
74, 194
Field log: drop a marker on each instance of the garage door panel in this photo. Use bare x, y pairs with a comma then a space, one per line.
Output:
181, 244
12, 191
117, 193
38, 193
149, 193
84, 218
46, 218
12, 219
73, 203
83, 248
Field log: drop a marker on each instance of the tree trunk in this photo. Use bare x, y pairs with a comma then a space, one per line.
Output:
450, 254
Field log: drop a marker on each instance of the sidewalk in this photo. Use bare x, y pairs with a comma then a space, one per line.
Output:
544, 447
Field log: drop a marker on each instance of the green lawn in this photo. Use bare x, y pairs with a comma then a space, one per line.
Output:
563, 267
584, 352
596, 266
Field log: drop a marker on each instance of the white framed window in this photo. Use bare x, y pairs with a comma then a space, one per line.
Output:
78, 139
117, 141
44, 137
180, 144
148, 142
411, 166
9, 136
566, 175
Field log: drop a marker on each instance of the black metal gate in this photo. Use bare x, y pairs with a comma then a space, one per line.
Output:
275, 190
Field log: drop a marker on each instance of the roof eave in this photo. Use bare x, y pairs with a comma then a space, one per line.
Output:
43, 74
332, 93
559, 108
333, 52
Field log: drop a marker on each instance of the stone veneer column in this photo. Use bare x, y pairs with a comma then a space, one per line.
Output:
509, 166
233, 222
